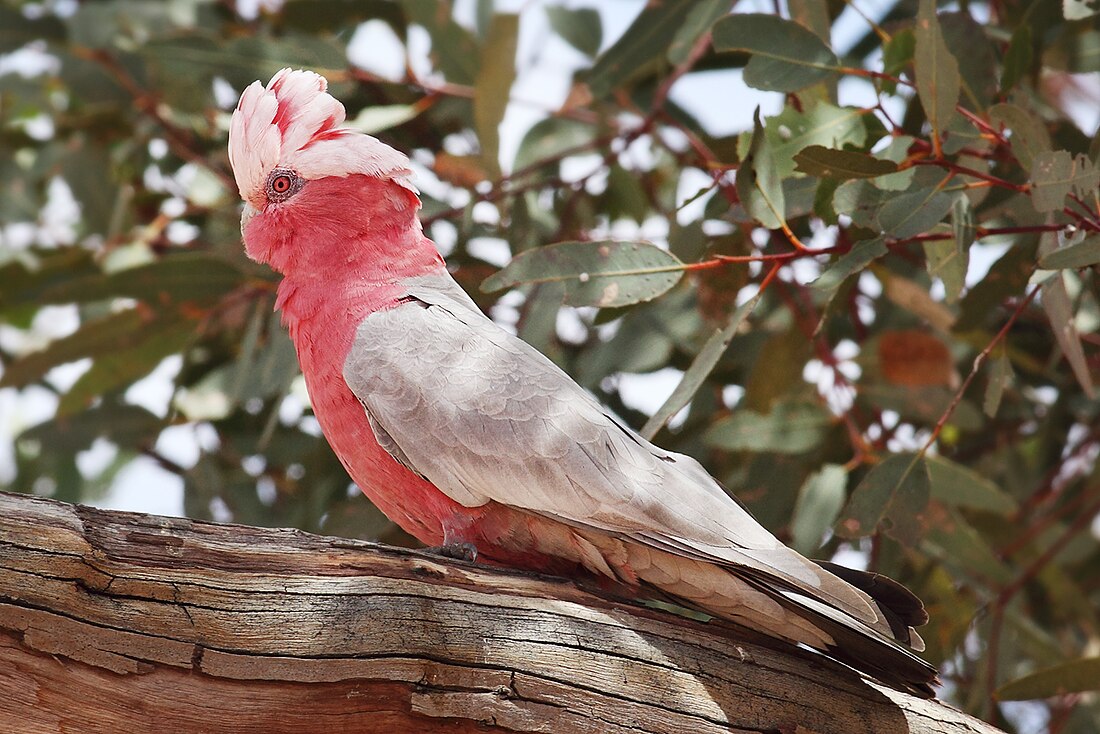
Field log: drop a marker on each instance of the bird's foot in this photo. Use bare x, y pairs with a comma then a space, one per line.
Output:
458, 551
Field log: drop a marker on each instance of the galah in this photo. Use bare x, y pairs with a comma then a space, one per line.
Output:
467, 437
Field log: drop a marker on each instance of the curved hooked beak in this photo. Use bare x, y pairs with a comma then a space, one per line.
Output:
247, 214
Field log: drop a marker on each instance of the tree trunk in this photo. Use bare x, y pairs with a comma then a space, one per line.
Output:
120, 622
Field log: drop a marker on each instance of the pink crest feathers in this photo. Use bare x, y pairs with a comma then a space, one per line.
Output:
295, 123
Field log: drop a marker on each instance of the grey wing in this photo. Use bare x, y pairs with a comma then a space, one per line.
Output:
485, 417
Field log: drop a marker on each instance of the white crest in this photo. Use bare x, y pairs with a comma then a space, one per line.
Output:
294, 123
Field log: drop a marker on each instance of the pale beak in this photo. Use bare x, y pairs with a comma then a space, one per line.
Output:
247, 214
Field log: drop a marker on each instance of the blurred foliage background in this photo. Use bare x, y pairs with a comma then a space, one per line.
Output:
877, 302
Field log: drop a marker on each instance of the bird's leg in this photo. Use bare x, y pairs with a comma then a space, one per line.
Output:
456, 540
459, 551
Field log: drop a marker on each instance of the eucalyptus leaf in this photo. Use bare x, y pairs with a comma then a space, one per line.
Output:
784, 56
604, 274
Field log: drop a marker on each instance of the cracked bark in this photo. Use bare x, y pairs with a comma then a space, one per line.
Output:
119, 622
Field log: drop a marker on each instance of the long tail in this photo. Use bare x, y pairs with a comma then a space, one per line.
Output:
886, 652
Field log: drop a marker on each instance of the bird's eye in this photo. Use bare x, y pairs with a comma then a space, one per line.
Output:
282, 184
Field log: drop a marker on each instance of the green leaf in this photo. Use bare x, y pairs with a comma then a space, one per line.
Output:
454, 48
126, 425
862, 254
373, 120
956, 485
1029, 136
23, 281
1055, 174
700, 368
957, 545
946, 261
644, 42
967, 39
895, 492
551, 138
1000, 375
758, 183
949, 260
315, 16
792, 131
698, 22
603, 273
898, 52
1085, 253
580, 27
1007, 278
824, 162
179, 277
1018, 58
936, 69
122, 362
17, 30
819, 503
1059, 309
785, 56
493, 86
112, 335
790, 428
914, 212
1075, 676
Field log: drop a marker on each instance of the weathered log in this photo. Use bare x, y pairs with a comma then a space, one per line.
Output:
122, 622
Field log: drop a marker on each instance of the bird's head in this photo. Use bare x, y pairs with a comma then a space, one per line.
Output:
298, 169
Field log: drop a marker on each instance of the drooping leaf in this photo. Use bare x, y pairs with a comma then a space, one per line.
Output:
1056, 174
967, 39
124, 361
17, 29
1059, 309
581, 27
550, 138
1006, 278
698, 22
954, 484
937, 71
1018, 58
1083, 254
604, 274
126, 425
454, 48
914, 212
793, 130
1000, 375
493, 85
700, 368
645, 41
785, 56
817, 160
790, 428
1029, 137
180, 277
1075, 676
819, 502
895, 491
758, 184
861, 255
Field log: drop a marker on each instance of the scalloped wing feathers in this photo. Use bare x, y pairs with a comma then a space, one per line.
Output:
486, 417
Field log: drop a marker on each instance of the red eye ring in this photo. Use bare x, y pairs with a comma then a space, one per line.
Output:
281, 184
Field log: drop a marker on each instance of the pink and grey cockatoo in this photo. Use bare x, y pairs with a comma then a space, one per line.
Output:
466, 436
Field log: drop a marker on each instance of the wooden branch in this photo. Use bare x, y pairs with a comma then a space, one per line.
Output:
120, 622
